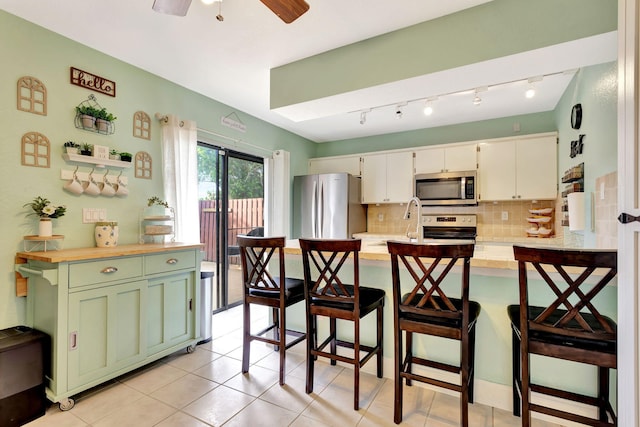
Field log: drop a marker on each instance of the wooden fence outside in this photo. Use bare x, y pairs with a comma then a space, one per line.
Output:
243, 216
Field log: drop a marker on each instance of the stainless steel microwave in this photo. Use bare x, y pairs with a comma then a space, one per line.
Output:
446, 188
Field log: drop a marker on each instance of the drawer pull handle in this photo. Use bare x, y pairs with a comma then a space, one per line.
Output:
108, 270
172, 261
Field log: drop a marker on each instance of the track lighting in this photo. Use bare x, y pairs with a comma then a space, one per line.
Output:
531, 91
363, 117
428, 107
476, 99
398, 112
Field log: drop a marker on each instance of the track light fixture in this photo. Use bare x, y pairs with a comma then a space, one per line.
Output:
363, 117
531, 91
428, 105
476, 99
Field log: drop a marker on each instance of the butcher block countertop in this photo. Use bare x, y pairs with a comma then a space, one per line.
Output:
83, 254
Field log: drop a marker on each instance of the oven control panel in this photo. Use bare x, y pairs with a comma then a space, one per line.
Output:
464, 220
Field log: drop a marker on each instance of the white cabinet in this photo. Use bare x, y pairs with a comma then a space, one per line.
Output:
518, 169
348, 164
387, 178
446, 159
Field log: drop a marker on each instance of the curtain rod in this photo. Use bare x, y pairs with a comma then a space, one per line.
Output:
164, 118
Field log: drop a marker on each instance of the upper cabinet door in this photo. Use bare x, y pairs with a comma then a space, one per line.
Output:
447, 159
497, 171
387, 178
519, 169
537, 168
348, 164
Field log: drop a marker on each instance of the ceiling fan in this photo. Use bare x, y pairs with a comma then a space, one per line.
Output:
287, 10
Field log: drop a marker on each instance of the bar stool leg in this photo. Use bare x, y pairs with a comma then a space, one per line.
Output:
379, 340
311, 345
409, 354
472, 358
516, 373
246, 332
398, 386
332, 332
356, 365
603, 392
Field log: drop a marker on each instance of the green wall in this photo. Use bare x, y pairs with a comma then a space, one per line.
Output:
596, 89
34, 51
488, 31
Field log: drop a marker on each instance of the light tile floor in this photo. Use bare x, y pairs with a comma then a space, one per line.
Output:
206, 388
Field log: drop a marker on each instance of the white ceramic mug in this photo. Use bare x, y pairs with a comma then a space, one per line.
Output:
90, 187
122, 189
74, 185
107, 188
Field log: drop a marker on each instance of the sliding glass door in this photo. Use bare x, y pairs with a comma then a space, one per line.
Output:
231, 193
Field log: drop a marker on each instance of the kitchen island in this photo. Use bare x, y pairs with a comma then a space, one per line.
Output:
494, 284
110, 310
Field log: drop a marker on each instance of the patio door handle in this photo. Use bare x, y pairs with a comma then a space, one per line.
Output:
625, 218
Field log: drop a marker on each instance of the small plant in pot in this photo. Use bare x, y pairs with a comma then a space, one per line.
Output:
114, 155
103, 120
86, 149
156, 207
125, 157
71, 147
88, 115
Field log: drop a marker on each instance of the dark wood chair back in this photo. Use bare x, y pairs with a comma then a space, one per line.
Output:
255, 254
424, 305
567, 326
571, 312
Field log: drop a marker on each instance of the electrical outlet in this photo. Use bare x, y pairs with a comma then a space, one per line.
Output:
380, 217
505, 215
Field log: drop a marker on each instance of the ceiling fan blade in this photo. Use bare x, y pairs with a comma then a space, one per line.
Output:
172, 7
287, 10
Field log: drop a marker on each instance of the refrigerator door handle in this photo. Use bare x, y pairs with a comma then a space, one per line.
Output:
321, 211
314, 210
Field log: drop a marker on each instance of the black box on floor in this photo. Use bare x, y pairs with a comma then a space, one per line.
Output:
23, 359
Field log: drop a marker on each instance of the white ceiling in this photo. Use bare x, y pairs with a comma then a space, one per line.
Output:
229, 61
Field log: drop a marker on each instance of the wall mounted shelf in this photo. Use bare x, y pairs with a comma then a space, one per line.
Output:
99, 163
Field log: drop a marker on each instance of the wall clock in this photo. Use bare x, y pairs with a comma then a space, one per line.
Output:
576, 116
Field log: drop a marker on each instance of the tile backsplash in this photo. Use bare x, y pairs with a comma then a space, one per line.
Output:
388, 219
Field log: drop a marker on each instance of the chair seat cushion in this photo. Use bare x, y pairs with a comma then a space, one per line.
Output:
370, 298
474, 311
608, 346
294, 288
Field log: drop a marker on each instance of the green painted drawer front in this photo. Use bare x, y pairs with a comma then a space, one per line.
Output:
167, 262
104, 270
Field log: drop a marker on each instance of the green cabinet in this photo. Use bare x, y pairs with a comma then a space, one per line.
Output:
108, 315
169, 312
106, 326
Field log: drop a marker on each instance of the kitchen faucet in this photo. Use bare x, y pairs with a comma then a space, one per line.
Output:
407, 215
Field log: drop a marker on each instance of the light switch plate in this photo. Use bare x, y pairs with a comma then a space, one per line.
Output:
92, 215
505, 215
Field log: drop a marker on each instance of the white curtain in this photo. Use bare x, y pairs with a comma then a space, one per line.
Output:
278, 194
180, 175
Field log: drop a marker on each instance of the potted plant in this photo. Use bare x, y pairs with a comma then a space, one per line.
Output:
45, 210
114, 155
86, 149
103, 120
71, 147
88, 116
125, 157
156, 207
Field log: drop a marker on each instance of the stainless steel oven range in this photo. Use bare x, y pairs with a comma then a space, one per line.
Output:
448, 227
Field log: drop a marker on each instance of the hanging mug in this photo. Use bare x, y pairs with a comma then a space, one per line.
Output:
122, 189
74, 185
107, 188
91, 187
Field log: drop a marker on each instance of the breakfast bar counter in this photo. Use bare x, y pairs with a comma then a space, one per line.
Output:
493, 284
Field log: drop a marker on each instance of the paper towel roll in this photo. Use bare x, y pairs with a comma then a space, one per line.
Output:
576, 211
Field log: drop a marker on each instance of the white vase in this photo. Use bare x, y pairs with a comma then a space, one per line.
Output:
45, 227
106, 234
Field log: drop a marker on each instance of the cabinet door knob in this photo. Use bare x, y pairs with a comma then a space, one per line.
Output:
172, 261
108, 270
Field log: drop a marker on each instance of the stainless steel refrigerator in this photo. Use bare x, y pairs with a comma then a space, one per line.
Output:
327, 206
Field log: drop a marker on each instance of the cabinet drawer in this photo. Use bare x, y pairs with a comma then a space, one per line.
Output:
104, 270
170, 261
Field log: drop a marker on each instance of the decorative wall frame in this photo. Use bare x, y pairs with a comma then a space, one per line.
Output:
143, 165
36, 150
32, 95
141, 125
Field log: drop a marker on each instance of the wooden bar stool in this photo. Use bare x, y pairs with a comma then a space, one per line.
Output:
569, 327
425, 307
263, 288
332, 289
